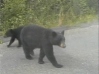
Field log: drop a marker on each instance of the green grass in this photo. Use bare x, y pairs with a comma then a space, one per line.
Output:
65, 20
70, 21
1, 33
81, 19
1, 42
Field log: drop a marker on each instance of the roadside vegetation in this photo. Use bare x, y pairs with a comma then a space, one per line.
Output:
47, 13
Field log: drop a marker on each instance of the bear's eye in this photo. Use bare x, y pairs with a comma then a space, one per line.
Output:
58, 40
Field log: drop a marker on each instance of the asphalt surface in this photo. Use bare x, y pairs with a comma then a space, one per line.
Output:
79, 57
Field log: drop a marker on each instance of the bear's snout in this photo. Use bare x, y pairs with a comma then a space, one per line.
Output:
63, 45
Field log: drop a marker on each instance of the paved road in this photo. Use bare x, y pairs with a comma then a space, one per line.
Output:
80, 56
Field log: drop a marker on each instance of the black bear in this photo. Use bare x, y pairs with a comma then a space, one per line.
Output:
33, 36
14, 34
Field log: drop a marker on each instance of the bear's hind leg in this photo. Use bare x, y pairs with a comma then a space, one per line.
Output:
27, 52
31, 52
41, 56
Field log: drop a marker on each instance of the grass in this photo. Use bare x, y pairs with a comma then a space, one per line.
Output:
74, 21
1, 42
68, 20
81, 19
1, 33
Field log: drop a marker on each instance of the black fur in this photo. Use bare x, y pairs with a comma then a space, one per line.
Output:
14, 34
33, 36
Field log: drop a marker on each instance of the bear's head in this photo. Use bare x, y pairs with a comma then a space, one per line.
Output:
8, 33
58, 39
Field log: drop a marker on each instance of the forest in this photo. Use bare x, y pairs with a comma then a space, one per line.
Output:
47, 13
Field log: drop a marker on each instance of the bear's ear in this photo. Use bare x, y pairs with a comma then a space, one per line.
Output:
62, 32
54, 34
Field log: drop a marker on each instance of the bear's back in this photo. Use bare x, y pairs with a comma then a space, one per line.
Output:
33, 35
33, 30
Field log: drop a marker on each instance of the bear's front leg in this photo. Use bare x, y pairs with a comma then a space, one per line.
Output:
27, 52
48, 49
19, 45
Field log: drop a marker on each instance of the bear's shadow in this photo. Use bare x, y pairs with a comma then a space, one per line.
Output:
67, 60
